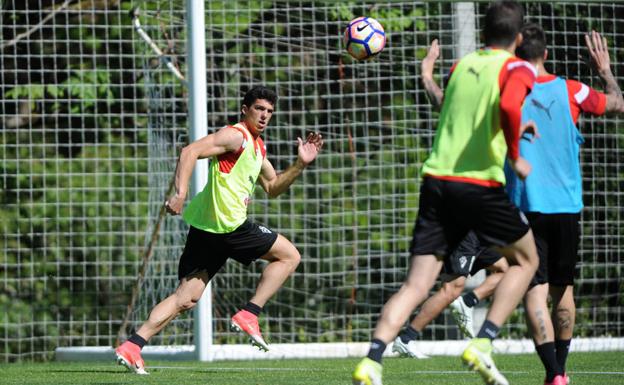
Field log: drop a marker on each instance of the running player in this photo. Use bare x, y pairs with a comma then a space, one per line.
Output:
551, 196
219, 228
462, 190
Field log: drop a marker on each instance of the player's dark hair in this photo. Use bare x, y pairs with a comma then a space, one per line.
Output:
533, 42
260, 92
503, 22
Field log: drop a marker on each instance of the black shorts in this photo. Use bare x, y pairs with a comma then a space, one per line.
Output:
449, 210
205, 251
557, 237
469, 257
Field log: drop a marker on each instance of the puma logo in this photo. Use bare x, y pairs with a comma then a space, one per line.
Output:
540, 106
473, 71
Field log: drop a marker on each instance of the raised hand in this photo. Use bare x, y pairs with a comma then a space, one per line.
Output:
428, 63
309, 149
434, 92
598, 50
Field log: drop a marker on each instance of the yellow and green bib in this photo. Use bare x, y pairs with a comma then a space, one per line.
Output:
469, 141
221, 207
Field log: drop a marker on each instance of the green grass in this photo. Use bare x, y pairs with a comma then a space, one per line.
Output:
603, 368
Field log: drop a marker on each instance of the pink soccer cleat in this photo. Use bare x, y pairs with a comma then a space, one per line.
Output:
129, 355
247, 322
558, 380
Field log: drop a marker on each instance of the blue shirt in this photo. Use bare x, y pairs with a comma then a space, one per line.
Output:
554, 184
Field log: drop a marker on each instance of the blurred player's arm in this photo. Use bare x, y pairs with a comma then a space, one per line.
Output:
273, 183
434, 92
599, 53
225, 140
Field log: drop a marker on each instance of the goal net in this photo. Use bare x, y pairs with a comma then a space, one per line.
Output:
94, 120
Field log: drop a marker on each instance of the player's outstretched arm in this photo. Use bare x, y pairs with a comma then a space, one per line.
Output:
222, 141
434, 92
275, 184
601, 61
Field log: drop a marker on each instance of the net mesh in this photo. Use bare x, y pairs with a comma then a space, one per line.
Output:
93, 122
164, 23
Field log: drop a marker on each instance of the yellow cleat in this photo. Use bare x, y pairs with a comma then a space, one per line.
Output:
367, 372
478, 357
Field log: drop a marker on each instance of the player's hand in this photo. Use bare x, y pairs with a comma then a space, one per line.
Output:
597, 46
521, 167
528, 131
428, 63
174, 204
308, 150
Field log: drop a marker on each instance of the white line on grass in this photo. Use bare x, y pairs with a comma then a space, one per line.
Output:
342, 370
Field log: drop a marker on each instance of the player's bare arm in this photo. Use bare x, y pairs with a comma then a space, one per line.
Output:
222, 141
275, 184
434, 92
601, 61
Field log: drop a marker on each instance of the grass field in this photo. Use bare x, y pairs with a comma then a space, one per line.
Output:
584, 369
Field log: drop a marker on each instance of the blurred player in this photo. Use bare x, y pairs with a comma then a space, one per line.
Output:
551, 196
468, 259
219, 228
462, 190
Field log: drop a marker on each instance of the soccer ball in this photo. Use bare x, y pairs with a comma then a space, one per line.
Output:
364, 38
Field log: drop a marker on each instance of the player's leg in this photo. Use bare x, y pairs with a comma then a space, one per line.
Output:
283, 258
423, 272
488, 286
562, 269
462, 308
194, 272
564, 317
184, 298
421, 278
434, 233
536, 301
498, 222
541, 329
522, 256
456, 268
438, 302
523, 259
404, 344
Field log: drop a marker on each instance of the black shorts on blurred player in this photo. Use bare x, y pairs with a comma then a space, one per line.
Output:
557, 237
449, 210
469, 258
206, 251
